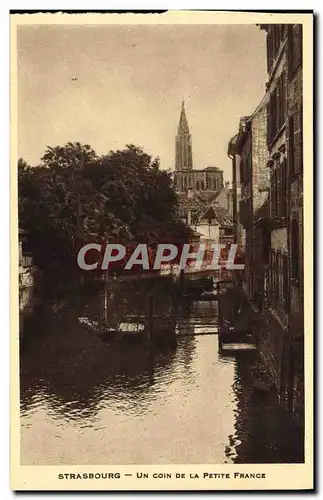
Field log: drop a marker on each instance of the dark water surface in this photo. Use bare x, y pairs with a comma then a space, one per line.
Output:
85, 401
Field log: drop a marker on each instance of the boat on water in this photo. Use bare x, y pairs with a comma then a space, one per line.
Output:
95, 326
235, 337
124, 328
131, 327
236, 331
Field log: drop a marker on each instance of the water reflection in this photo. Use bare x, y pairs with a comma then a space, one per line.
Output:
261, 421
85, 401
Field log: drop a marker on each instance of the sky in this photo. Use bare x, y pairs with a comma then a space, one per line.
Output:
112, 85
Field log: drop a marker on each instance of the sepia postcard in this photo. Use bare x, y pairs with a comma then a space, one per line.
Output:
161, 251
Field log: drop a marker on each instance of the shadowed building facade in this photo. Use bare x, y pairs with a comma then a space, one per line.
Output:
268, 153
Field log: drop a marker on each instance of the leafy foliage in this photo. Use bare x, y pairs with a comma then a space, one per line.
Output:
75, 197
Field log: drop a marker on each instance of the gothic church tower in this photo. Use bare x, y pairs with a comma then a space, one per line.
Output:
183, 158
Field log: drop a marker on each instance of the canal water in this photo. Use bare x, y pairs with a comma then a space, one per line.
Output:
86, 401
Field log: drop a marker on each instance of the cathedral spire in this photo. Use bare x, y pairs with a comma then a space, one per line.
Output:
183, 125
183, 160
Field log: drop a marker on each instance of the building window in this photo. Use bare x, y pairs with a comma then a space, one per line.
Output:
266, 246
271, 274
246, 213
285, 284
295, 138
270, 52
245, 169
194, 218
277, 274
241, 171
283, 180
275, 37
278, 284
281, 100
276, 108
295, 253
278, 192
295, 47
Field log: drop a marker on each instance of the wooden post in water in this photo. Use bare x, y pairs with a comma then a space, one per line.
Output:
150, 316
181, 280
105, 302
220, 332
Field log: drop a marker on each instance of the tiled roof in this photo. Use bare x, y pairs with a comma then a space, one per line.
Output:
220, 215
203, 206
198, 202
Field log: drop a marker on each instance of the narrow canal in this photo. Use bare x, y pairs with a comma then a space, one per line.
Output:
85, 401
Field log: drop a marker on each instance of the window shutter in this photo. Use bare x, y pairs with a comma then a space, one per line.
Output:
272, 272
283, 96
271, 118
275, 193
281, 105
295, 248
291, 136
272, 194
274, 113
297, 44
269, 51
284, 188
270, 284
273, 275
268, 124
278, 104
276, 40
285, 284
281, 281
277, 277
298, 143
279, 193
